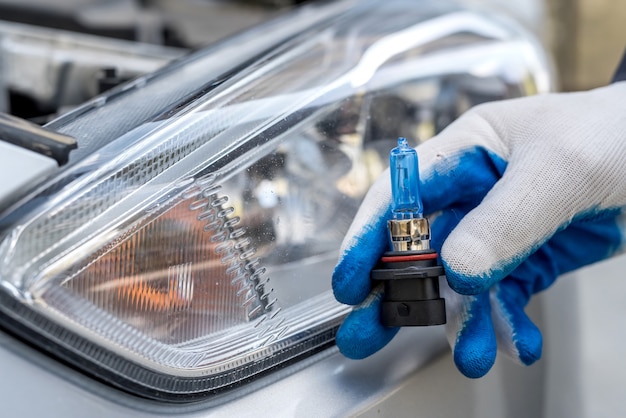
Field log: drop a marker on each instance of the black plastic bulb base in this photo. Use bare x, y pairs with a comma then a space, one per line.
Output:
411, 281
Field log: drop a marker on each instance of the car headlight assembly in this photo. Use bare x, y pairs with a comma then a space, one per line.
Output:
193, 251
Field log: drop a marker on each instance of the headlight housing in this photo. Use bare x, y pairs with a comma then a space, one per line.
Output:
189, 246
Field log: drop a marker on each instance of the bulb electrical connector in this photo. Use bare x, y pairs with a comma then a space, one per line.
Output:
410, 271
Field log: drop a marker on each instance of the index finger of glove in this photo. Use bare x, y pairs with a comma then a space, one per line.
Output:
461, 164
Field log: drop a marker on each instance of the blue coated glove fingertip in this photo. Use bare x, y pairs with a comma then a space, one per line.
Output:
526, 335
530, 352
362, 334
467, 285
474, 364
528, 341
348, 287
475, 349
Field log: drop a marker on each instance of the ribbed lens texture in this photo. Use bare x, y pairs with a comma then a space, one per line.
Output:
183, 276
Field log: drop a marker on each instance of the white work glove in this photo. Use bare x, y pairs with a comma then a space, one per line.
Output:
522, 191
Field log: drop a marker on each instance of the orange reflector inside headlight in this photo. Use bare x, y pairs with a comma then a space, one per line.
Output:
186, 274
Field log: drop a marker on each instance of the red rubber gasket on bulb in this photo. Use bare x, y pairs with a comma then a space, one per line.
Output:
410, 257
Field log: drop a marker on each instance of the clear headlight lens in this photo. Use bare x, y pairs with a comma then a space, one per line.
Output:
195, 250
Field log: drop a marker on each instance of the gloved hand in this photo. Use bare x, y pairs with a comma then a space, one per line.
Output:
521, 191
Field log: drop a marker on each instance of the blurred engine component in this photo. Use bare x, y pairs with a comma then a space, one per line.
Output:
181, 23
43, 71
47, 69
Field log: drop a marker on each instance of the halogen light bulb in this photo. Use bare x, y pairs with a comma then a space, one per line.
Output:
405, 192
409, 271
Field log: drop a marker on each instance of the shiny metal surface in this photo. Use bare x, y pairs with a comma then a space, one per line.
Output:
409, 234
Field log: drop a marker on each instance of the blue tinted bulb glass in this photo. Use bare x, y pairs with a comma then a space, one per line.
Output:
406, 200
